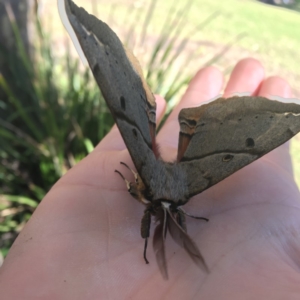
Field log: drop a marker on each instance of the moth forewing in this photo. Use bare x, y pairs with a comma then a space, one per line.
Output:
119, 80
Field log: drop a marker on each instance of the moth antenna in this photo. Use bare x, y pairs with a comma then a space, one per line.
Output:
126, 181
133, 172
145, 251
122, 163
121, 175
192, 216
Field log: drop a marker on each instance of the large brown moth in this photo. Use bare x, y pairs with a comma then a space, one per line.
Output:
206, 154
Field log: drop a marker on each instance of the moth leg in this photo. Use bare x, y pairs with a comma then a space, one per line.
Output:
180, 218
145, 231
192, 216
145, 251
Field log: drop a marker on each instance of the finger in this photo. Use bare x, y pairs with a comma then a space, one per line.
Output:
276, 86
113, 140
206, 84
161, 108
246, 77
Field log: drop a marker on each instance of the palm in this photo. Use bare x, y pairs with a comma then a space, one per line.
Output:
83, 242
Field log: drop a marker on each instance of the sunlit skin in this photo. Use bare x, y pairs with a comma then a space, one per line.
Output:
83, 241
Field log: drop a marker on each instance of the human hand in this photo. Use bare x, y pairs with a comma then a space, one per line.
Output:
83, 241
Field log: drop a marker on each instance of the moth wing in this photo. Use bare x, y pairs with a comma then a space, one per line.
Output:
124, 89
223, 136
183, 240
159, 242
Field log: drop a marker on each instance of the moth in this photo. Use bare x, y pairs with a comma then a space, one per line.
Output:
215, 139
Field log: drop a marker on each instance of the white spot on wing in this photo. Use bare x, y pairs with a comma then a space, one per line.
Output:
285, 100
244, 94
207, 101
65, 21
289, 113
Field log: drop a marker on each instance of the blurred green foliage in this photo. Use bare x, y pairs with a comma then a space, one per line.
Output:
52, 113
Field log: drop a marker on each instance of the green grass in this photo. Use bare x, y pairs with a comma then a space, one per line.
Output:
51, 115
271, 33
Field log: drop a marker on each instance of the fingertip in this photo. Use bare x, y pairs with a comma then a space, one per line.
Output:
249, 62
246, 76
275, 86
207, 83
210, 72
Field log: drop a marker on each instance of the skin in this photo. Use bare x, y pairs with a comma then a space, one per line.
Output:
83, 241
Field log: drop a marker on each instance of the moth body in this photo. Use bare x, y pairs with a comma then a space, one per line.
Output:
216, 139
169, 216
